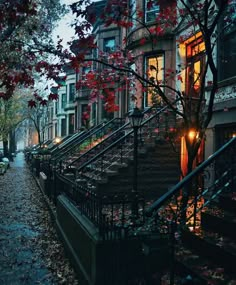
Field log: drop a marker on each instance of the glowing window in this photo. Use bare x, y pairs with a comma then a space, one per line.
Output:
155, 73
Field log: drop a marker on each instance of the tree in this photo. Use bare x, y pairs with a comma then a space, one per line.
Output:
37, 110
181, 21
10, 117
25, 39
123, 65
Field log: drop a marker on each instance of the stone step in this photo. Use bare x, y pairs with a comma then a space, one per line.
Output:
200, 269
227, 201
213, 246
217, 219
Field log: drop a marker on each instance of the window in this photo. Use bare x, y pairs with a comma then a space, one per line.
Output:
227, 43
71, 92
63, 100
56, 107
84, 115
155, 73
195, 61
71, 123
55, 130
109, 45
63, 127
133, 12
152, 9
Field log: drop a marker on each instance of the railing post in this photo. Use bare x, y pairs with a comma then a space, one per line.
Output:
172, 252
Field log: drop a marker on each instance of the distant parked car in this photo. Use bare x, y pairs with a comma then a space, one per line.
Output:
4, 164
6, 161
3, 167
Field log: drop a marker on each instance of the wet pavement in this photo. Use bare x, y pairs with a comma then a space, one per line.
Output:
30, 251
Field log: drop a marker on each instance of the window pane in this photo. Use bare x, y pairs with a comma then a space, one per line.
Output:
71, 92
152, 10
109, 45
63, 101
155, 73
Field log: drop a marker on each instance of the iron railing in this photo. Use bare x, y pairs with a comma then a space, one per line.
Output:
113, 216
116, 151
101, 206
85, 141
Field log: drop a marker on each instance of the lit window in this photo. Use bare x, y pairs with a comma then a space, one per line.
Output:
155, 73
195, 59
152, 10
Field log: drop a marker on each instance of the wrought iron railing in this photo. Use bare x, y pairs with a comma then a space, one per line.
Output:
95, 144
117, 149
65, 143
113, 216
102, 207
86, 141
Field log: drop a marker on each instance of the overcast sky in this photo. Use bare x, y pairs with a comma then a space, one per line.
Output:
64, 30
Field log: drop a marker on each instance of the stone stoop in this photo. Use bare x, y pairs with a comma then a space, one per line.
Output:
208, 255
158, 170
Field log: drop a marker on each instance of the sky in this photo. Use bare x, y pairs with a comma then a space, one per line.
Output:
64, 30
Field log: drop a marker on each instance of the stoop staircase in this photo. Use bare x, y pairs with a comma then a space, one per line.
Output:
154, 162
198, 248
203, 248
207, 255
107, 167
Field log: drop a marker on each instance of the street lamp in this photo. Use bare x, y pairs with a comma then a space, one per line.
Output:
135, 119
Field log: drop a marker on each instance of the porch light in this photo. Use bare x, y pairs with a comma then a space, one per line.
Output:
193, 134
57, 140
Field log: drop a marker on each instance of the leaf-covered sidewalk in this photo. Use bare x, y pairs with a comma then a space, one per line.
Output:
30, 252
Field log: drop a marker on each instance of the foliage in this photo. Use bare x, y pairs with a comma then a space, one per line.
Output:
25, 42
122, 69
37, 110
10, 115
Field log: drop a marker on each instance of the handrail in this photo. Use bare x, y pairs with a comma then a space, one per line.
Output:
84, 136
115, 143
111, 210
161, 201
111, 136
66, 145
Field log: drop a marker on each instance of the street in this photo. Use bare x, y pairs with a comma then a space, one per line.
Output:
30, 251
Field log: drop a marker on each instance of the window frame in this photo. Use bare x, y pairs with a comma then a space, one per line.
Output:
63, 100
155, 10
225, 62
193, 57
71, 92
157, 56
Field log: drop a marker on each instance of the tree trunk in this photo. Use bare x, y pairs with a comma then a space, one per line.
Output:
12, 142
5, 148
188, 189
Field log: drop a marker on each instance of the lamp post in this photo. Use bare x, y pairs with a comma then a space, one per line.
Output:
135, 119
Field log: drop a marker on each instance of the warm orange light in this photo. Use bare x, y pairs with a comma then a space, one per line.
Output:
233, 135
193, 135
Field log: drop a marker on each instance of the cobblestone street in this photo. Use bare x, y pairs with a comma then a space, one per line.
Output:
30, 252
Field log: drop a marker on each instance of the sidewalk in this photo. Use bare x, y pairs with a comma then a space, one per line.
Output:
30, 252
